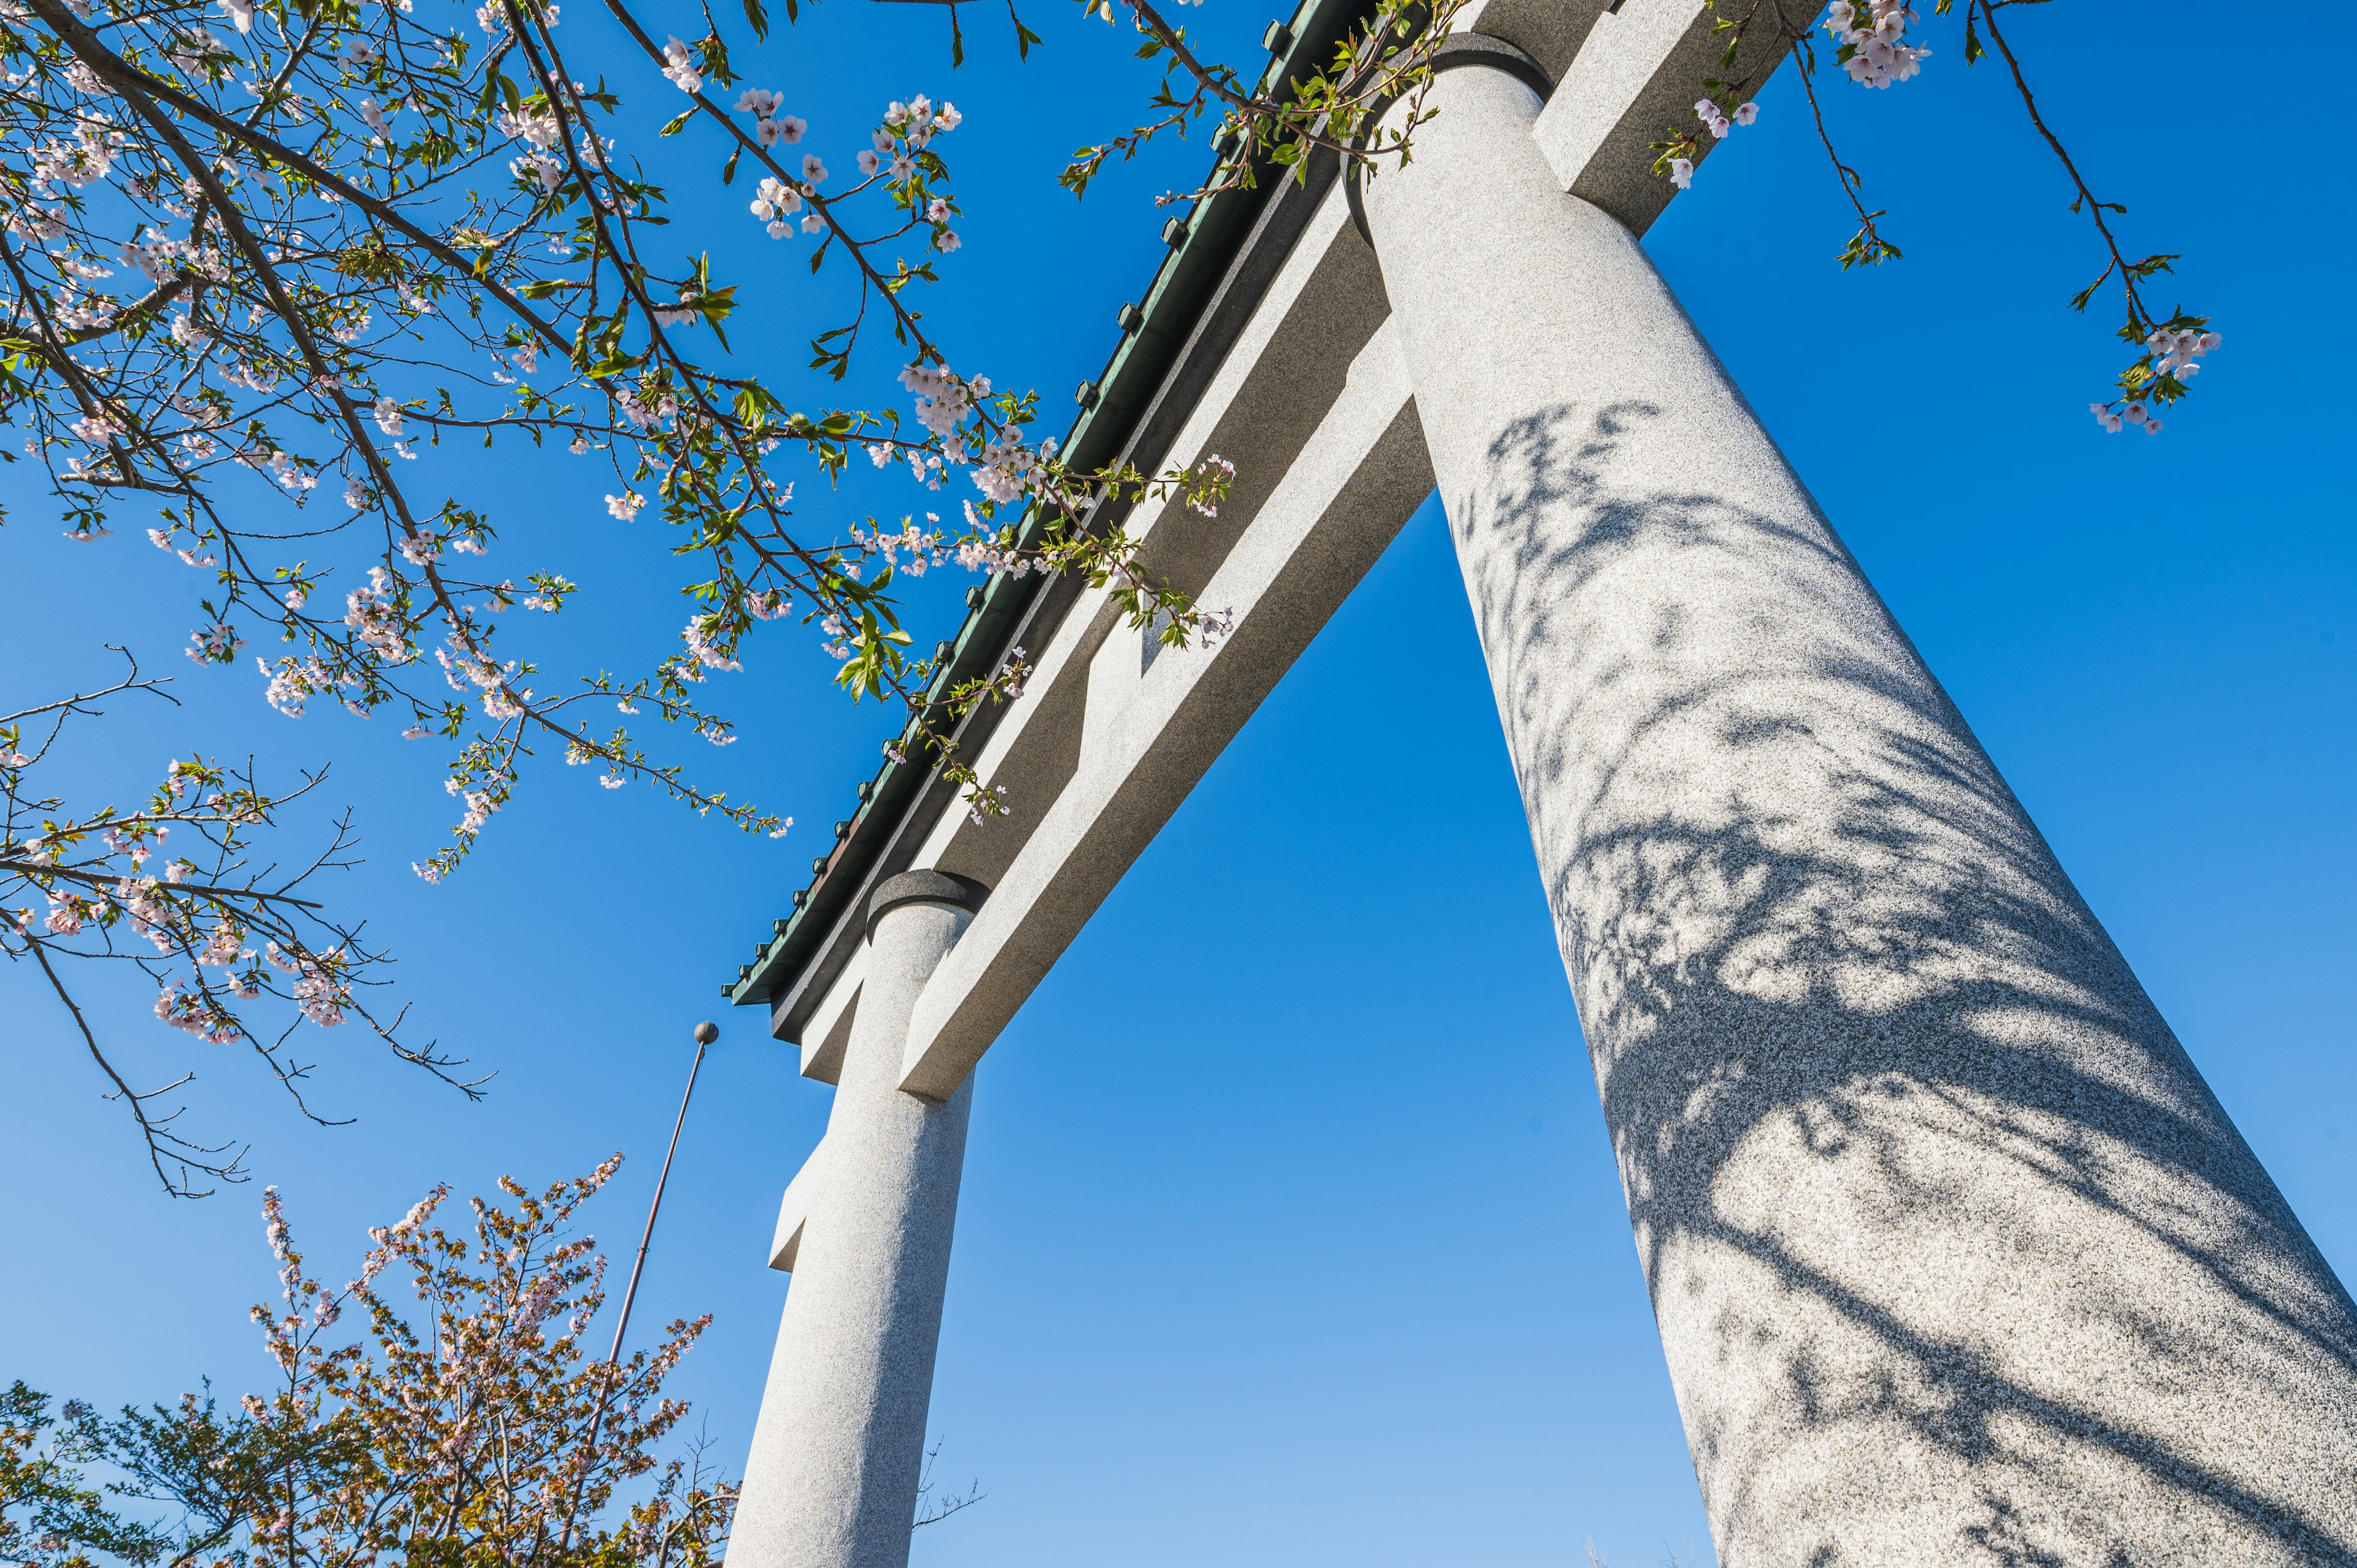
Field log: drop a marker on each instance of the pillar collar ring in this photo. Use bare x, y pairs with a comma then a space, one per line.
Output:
1457, 52
924, 887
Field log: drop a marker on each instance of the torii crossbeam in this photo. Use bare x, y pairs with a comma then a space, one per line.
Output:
1954, 1256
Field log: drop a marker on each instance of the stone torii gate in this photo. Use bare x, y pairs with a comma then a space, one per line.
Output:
1954, 1256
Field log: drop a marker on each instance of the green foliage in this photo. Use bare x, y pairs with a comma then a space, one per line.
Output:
50, 1516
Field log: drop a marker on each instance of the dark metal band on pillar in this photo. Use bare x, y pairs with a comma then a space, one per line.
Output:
924, 887
1456, 51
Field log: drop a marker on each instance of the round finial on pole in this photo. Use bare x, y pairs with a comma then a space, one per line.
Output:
707, 1032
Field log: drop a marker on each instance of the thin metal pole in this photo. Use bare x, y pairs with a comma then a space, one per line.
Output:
631, 1294
706, 1033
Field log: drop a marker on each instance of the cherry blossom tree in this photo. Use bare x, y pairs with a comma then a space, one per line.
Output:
478, 1430
263, 258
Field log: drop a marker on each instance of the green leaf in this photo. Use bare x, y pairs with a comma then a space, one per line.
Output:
752, 408
757, 17
673, 127
729, 171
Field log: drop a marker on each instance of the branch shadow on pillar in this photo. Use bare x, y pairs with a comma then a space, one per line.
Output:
1955, 1256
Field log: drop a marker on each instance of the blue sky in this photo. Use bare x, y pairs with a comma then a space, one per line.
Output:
1290, 1233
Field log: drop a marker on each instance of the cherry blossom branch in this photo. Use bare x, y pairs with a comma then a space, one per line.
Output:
191, 889
2094, 205
1327, 112
77, 704
2171, 344
154, 1131
361, 444
127, 76
902, 316
1867, 247
91, 866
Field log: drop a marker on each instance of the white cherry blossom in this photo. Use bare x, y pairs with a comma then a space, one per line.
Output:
680, 67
